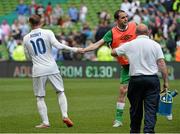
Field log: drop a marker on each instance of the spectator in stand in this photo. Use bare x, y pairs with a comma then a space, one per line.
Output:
82, 13
145, 16
79, 38
152, 24
137, 17
86, 30
135, 4
58, 13
6, 29
157, 19
177, 29
22, 10
11, 45
41, 12
159, 7
24, 28
73, 13
18, 53
160, 39
168, 4
104, 54
48, 13
33, 7
65, 22
1, 35
176, 5
165, 25
102, 30
104, 16
16, 32
167, 55
171, 45
127, 7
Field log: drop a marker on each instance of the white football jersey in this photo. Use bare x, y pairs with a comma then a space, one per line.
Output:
142, 54
38, 47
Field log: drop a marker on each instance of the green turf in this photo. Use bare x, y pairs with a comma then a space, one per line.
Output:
91, 107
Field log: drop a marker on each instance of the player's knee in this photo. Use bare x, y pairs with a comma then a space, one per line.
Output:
123, 89
39, 98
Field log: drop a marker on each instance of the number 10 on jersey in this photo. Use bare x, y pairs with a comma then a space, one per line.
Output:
38, 46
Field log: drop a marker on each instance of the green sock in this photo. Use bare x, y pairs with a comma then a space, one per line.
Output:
119, 113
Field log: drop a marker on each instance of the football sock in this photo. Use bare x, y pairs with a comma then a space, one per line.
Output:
42, 108
119, 111
62, 104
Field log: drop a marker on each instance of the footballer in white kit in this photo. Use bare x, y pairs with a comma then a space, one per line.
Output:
38, 47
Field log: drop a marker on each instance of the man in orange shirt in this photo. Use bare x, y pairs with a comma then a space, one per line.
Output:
119, 34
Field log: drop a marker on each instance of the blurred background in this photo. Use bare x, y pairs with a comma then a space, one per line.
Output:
79, 22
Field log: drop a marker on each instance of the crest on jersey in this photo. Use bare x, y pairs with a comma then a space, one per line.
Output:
126, 37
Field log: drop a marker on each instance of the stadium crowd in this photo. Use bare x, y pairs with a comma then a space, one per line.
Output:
161, 16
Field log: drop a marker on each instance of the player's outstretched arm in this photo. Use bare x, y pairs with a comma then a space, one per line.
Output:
60, 45
80, 50
66, 47
94, 46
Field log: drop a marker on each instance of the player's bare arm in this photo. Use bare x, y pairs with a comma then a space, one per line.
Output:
163, 69
94, 46
79, 50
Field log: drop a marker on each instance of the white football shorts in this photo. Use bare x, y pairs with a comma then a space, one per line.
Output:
39, 84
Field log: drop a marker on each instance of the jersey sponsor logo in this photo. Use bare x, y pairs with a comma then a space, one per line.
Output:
126, 37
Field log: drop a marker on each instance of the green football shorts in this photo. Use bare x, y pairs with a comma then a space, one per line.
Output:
124, 76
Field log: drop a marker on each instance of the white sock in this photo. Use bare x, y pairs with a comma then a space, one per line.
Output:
42, 108
63, 104
120, 105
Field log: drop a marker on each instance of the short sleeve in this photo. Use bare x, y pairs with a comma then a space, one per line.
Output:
108, 37
121, 50
160, 54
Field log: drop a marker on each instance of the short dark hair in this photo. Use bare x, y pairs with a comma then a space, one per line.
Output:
34, 20
116, 14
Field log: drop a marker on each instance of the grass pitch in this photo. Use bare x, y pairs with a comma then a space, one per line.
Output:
91, 105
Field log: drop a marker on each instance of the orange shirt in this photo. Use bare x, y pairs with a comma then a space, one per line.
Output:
120, 37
